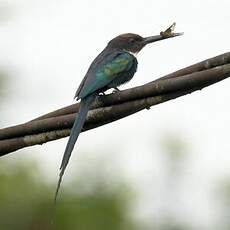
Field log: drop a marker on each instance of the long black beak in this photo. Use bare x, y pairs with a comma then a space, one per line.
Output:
160, 37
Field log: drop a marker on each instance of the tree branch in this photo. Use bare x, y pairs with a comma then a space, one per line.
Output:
109, 108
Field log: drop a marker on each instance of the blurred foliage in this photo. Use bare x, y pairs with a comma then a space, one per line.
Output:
222, 196
174, 151
174, 147
27, 203
173, 226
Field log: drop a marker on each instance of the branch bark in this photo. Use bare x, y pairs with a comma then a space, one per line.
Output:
109, 108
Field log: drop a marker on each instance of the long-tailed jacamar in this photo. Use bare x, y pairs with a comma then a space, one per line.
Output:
114, 66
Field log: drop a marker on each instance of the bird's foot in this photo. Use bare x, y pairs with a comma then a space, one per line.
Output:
101, 94
148, 107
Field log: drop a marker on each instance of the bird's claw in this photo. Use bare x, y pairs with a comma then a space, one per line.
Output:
101, 94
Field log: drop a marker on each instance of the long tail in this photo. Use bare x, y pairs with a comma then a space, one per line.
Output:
75, 131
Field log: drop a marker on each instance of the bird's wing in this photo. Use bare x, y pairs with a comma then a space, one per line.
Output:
106, 72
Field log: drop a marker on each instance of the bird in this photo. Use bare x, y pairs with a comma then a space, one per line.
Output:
113, 67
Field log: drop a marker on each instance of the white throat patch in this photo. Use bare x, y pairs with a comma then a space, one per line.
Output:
134, 54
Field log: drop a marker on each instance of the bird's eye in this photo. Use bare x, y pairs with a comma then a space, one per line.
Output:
132, 40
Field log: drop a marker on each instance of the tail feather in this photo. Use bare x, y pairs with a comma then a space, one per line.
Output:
75, 131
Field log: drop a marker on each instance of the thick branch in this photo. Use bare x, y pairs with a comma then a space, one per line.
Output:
124, 95
112, 107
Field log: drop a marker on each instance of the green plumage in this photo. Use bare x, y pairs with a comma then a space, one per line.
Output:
116, 67
110, 70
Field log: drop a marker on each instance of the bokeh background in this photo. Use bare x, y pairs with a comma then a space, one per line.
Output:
165, 168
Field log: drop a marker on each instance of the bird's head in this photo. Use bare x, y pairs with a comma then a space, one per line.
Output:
134, 42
